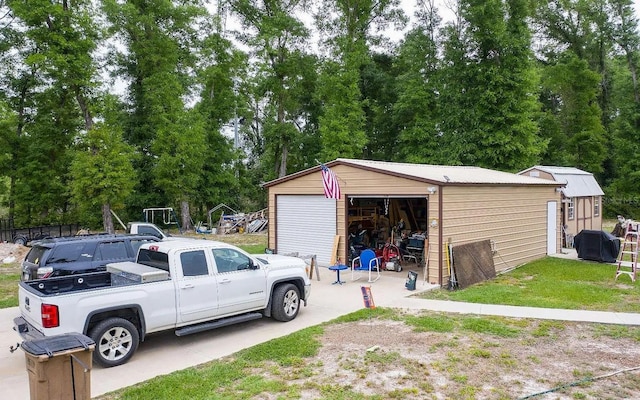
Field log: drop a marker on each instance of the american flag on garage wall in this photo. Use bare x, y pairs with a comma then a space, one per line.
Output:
330, 183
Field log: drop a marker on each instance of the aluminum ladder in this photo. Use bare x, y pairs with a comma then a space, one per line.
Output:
628, 256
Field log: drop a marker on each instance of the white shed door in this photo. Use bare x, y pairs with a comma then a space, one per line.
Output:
306, 225
552, 230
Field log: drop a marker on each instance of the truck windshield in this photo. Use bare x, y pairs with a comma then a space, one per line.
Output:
153, 259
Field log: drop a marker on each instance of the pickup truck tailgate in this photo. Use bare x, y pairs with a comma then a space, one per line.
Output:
30, 308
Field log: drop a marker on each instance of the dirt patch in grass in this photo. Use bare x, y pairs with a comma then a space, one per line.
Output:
11, 255
390, 359
236, 239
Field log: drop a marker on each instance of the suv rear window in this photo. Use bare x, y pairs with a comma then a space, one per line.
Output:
153, 259
35, 254
68, 252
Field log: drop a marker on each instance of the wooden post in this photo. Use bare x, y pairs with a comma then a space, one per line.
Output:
312, 267
334, 252
426, 260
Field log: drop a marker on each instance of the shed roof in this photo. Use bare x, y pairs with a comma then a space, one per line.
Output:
437, 174
578, 183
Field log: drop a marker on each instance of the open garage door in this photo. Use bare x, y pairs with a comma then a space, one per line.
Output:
306, 225
377, 217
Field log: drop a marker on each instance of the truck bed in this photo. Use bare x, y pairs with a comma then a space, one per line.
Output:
69, 283
117, 274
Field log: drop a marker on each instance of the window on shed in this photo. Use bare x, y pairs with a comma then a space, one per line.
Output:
596, 207
571, 208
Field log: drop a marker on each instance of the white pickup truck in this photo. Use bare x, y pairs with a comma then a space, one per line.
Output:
147, 228
188, 286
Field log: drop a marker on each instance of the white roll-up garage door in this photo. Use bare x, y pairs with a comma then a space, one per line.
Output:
306, 225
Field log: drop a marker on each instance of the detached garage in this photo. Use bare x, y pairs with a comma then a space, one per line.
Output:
426, 209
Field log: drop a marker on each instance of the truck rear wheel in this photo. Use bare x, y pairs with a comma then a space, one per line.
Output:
116, 341
285, 303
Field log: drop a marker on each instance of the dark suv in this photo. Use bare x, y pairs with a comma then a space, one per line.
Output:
79, 254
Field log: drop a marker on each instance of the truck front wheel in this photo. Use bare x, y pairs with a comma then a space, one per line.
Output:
285, 303
116, 341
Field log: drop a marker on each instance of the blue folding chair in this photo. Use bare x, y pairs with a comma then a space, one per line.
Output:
367, 261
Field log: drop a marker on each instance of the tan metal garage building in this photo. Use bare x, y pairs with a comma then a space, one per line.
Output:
518, 214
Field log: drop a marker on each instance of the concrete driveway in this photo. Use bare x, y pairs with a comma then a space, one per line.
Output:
164, 353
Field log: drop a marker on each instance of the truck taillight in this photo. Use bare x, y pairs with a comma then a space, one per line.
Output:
50, 316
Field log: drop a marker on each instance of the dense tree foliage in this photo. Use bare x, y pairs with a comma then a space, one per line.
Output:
109, 104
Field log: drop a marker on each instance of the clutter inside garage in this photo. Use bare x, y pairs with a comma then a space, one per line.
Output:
395, 228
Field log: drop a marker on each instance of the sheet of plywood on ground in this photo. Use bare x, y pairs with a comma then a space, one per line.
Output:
473, 263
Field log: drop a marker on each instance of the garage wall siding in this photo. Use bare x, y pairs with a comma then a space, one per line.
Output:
513, 217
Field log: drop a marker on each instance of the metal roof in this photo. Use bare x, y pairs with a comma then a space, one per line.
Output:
447, 174
578, 183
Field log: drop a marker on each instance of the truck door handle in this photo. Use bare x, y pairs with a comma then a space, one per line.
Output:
225, 281
188, 286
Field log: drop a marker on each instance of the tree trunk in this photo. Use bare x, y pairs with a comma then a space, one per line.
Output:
107, 220
185, 216
84, 108
283, 161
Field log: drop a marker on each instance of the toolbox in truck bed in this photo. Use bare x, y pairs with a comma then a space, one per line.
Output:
127, 273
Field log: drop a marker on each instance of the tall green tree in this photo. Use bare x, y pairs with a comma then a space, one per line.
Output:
499, 87
378, 90
102, 174
624, 186
220, 98
577, 112
13, 101
349, 29
162, 42
342, 120
595, 31
63, 36
278, 39
417, 109
8, 122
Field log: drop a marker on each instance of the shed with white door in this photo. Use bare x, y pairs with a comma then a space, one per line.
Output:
400, 203
581, 198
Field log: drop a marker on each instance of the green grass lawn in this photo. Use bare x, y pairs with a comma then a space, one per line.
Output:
554, 283
8, 288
